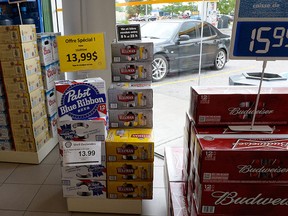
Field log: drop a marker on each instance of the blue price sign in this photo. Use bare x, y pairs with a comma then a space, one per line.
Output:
260, 30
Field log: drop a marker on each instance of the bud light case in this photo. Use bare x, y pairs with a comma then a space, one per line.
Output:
81, 99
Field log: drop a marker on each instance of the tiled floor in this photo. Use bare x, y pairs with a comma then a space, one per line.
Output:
35, 190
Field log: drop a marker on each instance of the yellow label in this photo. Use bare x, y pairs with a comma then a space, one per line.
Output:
81, 52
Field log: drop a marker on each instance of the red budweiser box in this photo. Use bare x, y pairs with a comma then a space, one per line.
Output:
235, 105
241, 159
241, 199
177, 200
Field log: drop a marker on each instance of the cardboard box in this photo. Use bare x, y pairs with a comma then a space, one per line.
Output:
23, 84
81, 99
4, 120
241, 159
30, 130
132, 52
5, 132
17, 33
177, 200
54, 43
130, 96
84, 130
87, 188
6, 145
18, 51
25, 100
131, 118
13, 69
130, 145
51, 103
241, 199
44, 48
129, 190
50, 75
31, 144
235, 105
130, 171
27, 115
131, 72
3, 103
95, 172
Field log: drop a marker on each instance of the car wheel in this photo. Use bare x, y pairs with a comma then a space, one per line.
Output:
220, 60
159, 67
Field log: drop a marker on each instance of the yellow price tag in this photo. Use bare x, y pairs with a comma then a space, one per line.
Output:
81, 52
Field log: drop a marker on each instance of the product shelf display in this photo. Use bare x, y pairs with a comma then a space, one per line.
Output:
22, 84
233, 172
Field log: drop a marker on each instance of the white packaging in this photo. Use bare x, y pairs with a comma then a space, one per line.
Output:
54, 43
96, 172
81, 99
52, 125
5, 132
44, 48
3, 118
51, 104
6, 145
84, 188
50, 74
84, 130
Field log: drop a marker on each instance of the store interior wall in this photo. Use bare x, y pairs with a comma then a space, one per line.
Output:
86, 17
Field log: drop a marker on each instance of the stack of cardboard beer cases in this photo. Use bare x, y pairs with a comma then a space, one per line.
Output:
24, 87
129, 144
82, 129
236, 170
49, 59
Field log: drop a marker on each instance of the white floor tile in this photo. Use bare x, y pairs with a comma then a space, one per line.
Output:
54, 178
5, 170
46, 214
11, 213
29, 174
157, 206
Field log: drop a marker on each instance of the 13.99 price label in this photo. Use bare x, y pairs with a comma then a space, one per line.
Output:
81, 52
81, 153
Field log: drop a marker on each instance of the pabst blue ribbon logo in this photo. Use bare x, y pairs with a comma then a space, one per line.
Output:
80, 101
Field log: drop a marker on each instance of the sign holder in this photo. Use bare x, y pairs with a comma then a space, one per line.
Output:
260, 32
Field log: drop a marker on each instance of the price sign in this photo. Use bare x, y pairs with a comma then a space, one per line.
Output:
260, 30
81, 52
128, 32
81, 153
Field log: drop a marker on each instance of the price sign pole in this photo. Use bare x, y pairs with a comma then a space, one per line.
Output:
81, 52
260, 32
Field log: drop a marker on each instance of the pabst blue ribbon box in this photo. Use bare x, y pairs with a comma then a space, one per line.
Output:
241, 199
81, 99
241, 159
235, 105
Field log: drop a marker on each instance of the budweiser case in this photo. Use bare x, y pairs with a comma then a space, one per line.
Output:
81, 99
129, 190
130, 95
130, 171
241, 159
123, 145
131, 72
241, 199
235, 105
131, 52
131, 118
82, 188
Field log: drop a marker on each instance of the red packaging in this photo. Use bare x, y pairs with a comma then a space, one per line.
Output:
253, 159
241, 199
234, 105
177, 201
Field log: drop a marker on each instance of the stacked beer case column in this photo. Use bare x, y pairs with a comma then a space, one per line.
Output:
82, 129
24, 87
130, 145
49, 59
237, 172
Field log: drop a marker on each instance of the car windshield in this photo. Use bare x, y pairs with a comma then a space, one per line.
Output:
159, 30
